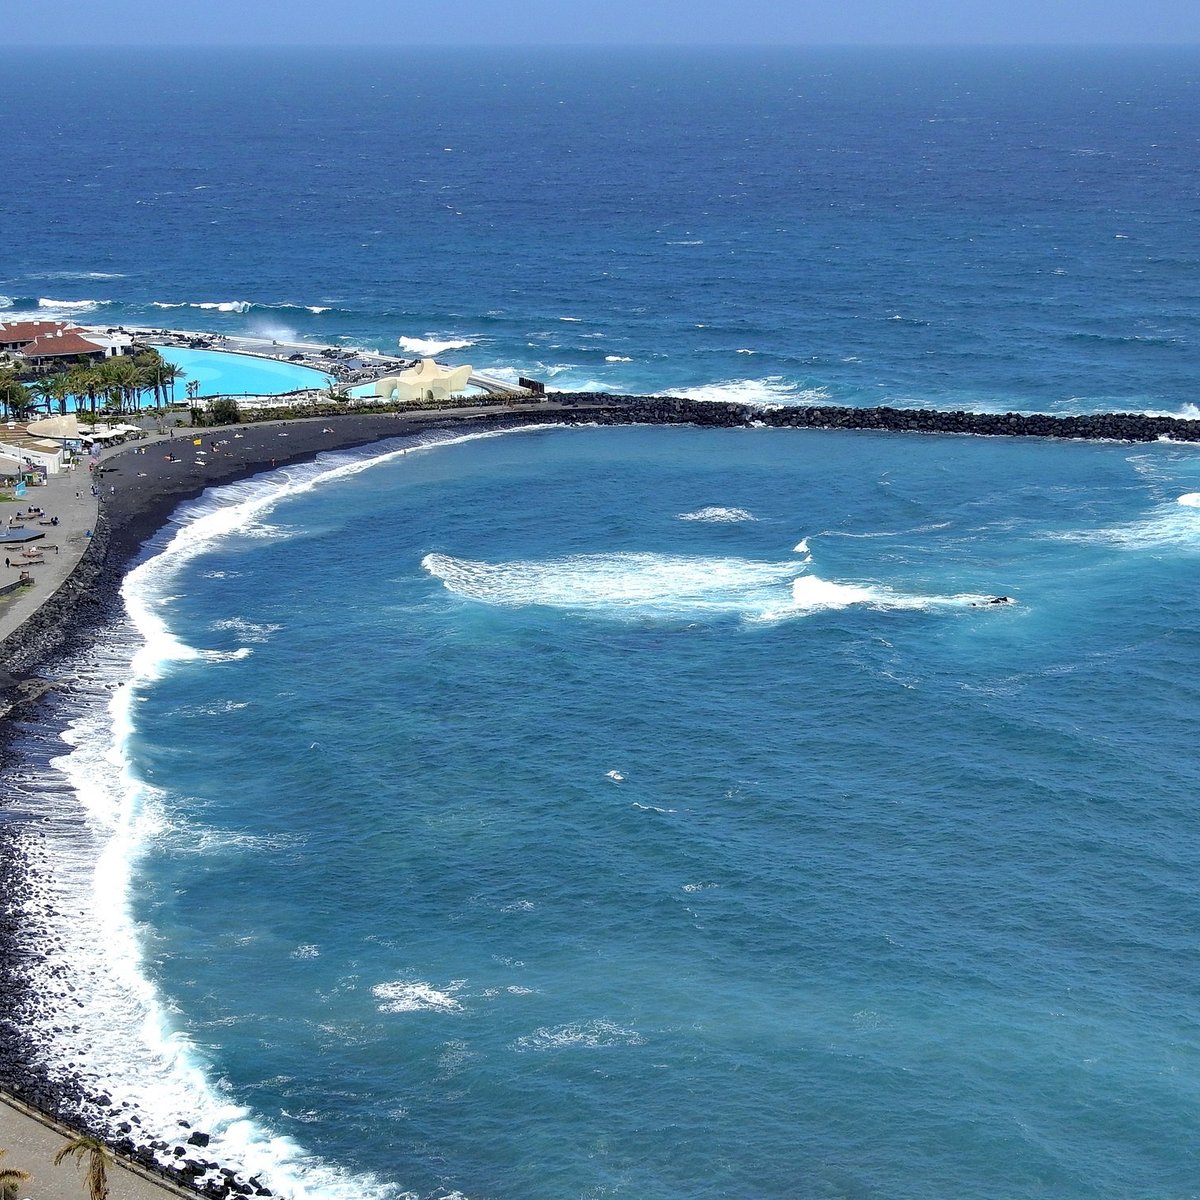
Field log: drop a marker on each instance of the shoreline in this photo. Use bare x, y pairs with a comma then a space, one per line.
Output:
147, 490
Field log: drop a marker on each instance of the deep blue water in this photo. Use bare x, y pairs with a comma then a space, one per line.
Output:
650, 812
985, 229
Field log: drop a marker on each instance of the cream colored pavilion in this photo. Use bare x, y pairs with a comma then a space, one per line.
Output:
426, 381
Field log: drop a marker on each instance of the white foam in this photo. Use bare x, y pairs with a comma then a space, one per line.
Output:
801, 547
773, 389
811, 594
430, 345
719, 516
616, 358
1172, 525
72, 305
406, 996
76, 275
588, 1035
248, 631
670, 586
621, 585
225, 306
6, 302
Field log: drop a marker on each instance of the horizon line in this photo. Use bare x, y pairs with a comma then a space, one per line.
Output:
375, 44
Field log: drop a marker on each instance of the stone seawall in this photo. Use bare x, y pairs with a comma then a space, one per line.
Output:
673, 410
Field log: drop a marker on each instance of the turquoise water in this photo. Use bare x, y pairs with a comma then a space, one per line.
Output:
644, 812
224, 373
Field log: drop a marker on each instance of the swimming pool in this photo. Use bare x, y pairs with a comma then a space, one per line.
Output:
224, 373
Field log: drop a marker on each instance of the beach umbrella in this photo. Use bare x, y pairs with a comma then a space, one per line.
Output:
56, 427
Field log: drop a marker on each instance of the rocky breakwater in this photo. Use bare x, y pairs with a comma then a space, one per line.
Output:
679, 410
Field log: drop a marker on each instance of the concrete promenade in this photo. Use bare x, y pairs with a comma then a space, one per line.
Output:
67, 496
32, 1140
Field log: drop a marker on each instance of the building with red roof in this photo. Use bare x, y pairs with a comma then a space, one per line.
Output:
15, 335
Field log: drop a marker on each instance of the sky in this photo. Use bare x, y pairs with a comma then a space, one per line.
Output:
599, 22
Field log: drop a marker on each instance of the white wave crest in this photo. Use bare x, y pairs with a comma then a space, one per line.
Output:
773, 389
225, 306
718, 515
76, 275
1172, 525
589, 1035
669, 586
248, 631
637, 585
429, 346
615, 358
71, 305
405, 996
6, 302
811, 594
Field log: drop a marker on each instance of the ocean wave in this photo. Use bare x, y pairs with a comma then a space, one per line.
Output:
233, 306
75, 275
1171, 525
629, 584
405, 996
430, 346
241, 306
812, 594
718, 515
773, 389
669, 586
248, 631
588, 1035
71, 306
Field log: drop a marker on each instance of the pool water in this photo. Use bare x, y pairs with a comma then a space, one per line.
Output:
224, 373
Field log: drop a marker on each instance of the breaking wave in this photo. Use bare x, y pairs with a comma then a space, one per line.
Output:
428, 347
405, 996
670, 586
773, 389
718, 515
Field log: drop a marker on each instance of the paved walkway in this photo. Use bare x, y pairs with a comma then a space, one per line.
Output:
62, 545
32, 1141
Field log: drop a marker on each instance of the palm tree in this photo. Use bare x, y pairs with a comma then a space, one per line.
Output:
14, 399
99, 1159
87, 381
10, 1177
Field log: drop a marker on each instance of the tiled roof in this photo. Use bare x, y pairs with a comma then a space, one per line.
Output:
25, 331
60, 345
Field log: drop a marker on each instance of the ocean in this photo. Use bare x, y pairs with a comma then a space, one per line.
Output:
655, 812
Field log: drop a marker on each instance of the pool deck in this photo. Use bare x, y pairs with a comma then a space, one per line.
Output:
368, 365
